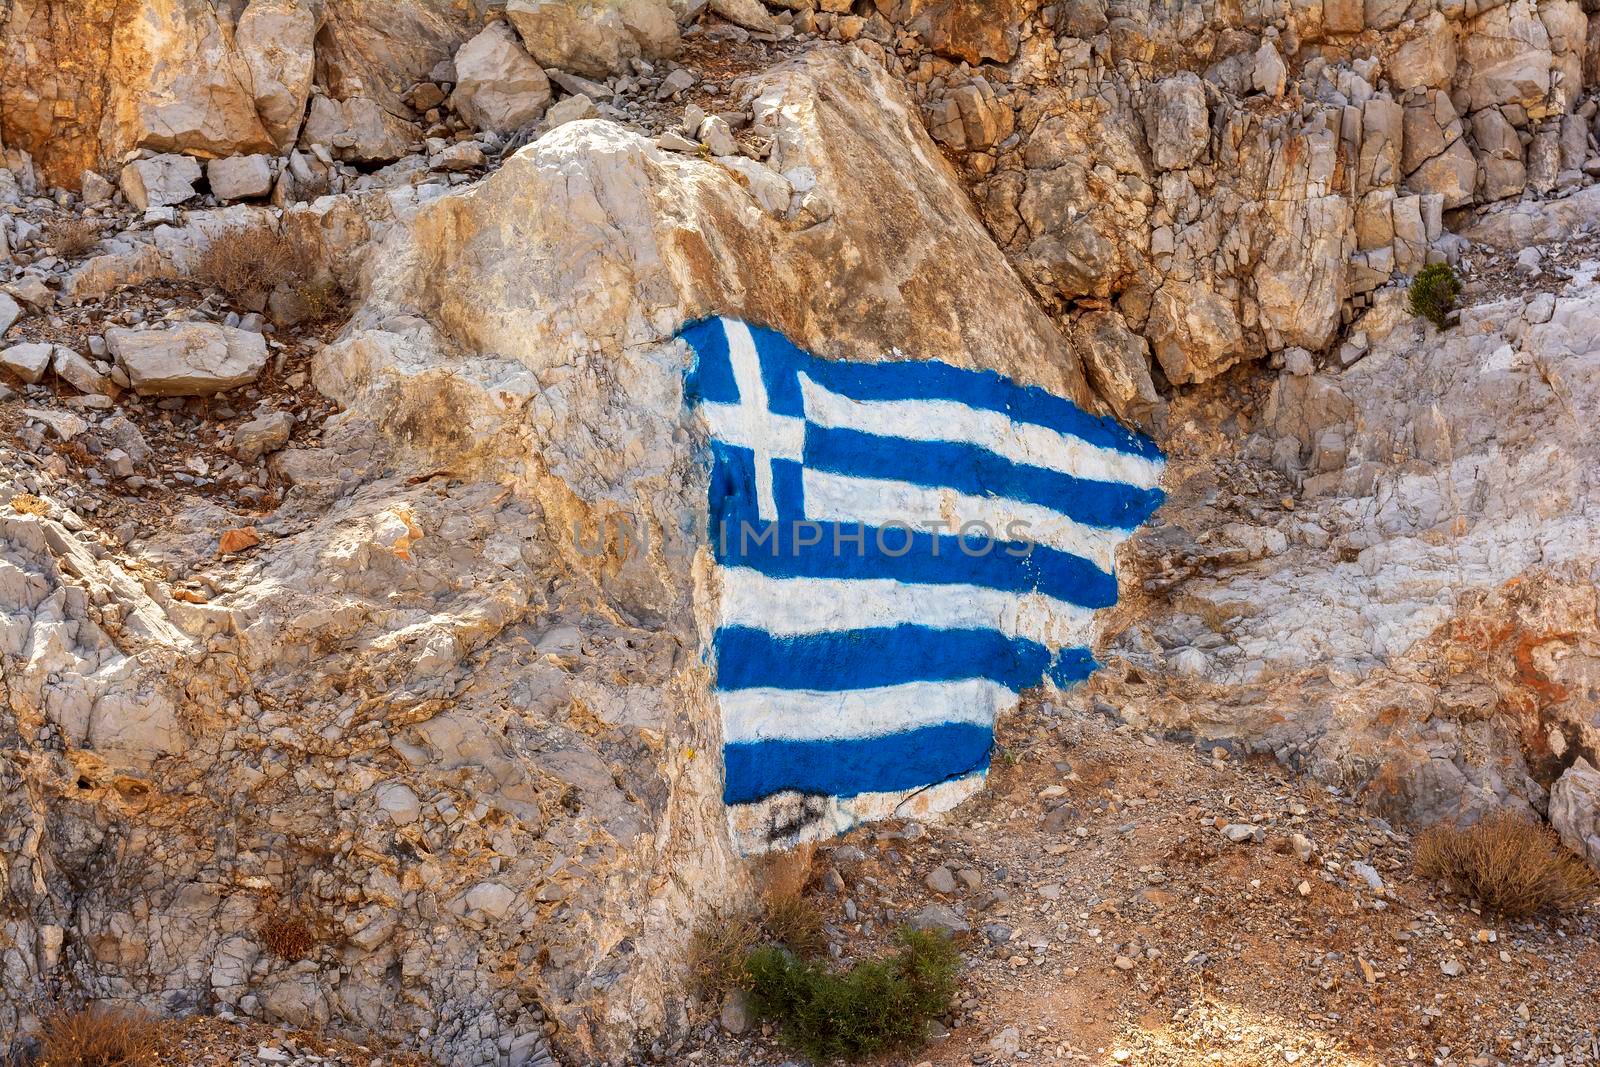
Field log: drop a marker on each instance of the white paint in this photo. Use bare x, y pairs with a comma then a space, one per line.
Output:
882, 502
750, 824
948, 420
794, 606
853, 714
755, 423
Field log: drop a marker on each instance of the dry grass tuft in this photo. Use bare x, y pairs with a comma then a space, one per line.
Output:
1510, 865
72, 236
287, 939
717, 953
248, 260
100, 1037
793, 919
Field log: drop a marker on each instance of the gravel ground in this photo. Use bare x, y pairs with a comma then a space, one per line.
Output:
1115, 920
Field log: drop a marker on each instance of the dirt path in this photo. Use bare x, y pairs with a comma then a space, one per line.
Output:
1113, 921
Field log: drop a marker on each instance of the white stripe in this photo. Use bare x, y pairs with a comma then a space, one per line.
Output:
756, 427
782, 437
949, 420
806, 818
807, 715
792, 606
881, 502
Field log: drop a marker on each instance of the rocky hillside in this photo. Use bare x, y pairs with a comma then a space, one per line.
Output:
331, 331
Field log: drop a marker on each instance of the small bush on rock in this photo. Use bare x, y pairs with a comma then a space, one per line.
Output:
874, 1006
287, 939
247, 260
1512, 866
99, 1037
72, 237
1433, 293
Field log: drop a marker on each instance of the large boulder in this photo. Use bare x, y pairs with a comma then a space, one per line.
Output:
1575, 809
1194, 331
594, 38
498, 86
159, 181
191, 359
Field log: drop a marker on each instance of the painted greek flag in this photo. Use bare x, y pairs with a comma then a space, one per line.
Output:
902, 548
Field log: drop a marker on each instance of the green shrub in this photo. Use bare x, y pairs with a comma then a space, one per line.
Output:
1433, 293
874, 1006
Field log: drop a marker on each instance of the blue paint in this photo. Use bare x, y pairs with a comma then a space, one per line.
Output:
976, 471
856, 655
758, 769
868, 658
710, 379
740, 538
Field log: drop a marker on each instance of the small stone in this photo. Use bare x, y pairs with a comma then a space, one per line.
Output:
940, 880
10, 311
718, 136
237, 540
160, 181
1530, 260
189, 359
1367, 873
673, 141
96, 189
461, 156
1451, 968
78, 372
941, 918
735, 1016
676, 82
569, 109
1303, 847
1125, 963
1239, 833
262, 435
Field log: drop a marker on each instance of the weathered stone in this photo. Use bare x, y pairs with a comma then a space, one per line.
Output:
28, 361
160, 181
1176, 122
1427, 58
358, 129
969, 31
190, 359
1194, 333
78, 372
569, 109
10, 311
500, 88
276, 39
594, 38
747, 13
1575, 809
268, 433
240, 177
1117, 361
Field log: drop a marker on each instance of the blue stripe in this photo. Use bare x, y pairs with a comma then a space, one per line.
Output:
710, 375
842, 660
711, 379
739, 538
978, 472
758, 769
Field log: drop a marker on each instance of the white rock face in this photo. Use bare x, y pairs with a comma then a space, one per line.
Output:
500, 88
191, 359
438, 660
1416, 623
